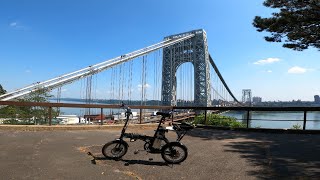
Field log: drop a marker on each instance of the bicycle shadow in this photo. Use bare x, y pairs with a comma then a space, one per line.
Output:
128, 162
144, 162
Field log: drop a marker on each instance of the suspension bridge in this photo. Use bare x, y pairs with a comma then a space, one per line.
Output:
178, 71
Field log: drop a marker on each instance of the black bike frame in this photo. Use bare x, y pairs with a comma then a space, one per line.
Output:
180, 132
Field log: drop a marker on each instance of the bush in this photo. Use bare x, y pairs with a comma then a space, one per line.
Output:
218, 120
296, 126
17, 122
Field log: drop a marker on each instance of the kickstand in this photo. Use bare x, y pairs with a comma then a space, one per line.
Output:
93, 161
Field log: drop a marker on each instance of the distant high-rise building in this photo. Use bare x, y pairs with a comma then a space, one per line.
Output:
316, 99
256, 99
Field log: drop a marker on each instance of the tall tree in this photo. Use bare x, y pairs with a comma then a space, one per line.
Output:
27, 114
2, 91
296, 24
40, 114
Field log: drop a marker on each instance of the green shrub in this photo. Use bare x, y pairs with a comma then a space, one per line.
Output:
17, 122
296, 126
218, 120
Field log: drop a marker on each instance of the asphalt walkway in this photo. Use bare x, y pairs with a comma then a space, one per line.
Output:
213, 154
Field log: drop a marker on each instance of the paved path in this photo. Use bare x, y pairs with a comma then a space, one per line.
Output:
213, 154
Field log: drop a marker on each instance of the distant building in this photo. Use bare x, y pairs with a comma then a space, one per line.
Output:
256, 100
317, 99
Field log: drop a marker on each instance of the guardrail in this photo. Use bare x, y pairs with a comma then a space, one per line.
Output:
69, 105
247, 110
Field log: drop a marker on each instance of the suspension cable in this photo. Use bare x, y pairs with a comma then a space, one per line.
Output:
129, 81
145, 79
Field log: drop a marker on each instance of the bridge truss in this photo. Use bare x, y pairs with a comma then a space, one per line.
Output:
177, 49
94, 69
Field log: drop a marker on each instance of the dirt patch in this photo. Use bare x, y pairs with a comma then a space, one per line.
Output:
94, 153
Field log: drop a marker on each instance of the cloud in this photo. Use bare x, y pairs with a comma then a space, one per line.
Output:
145, 86
13, 24
266, 61
28, 71
17, 25
297, 70
269, 71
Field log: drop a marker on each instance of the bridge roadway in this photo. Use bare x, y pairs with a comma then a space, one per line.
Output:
213, 154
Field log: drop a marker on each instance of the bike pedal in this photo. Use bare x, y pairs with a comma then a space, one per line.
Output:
136, 152
132, 140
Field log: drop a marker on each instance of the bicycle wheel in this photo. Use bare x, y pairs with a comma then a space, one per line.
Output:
174, 152
115, 149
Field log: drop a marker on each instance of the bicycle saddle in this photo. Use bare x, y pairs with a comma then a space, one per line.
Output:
164, 114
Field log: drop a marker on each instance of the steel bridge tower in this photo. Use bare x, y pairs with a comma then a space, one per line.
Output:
194, 50
247, 96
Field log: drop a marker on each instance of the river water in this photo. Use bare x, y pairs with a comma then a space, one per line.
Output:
275, 120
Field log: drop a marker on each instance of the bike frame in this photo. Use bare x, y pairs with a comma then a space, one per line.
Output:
172, 152
150, 139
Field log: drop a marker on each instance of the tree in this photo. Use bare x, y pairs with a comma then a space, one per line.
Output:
2, 91
297, 23
40, 114
27, 114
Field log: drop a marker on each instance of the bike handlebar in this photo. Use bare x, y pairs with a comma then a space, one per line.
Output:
126, 108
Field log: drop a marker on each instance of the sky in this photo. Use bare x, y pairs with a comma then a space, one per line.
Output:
40, 40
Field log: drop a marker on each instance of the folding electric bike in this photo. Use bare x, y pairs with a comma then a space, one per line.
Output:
172, 152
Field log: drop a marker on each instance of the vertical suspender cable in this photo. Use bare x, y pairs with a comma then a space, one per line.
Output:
142, 80
145, 79
159, 82
130, 81
88, 93
82, 94
94, 89
124, 78
58, 98
112, 83
119, 83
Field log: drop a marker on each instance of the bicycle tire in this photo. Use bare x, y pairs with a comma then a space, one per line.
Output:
115, 149
174, 152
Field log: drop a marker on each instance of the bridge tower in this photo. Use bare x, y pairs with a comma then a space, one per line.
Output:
247, 96
194, 50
